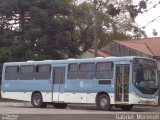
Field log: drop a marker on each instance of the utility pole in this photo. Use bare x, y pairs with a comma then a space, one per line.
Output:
95, 29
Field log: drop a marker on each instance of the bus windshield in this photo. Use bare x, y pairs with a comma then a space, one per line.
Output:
145, 75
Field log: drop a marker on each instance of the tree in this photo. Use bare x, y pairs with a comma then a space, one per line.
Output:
42, 27
115, 20
108, 28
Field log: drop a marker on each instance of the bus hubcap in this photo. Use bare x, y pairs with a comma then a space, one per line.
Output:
103, 103
37, 100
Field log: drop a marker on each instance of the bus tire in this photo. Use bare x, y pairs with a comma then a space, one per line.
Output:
103, 102
37, 101
126, 107
60, 105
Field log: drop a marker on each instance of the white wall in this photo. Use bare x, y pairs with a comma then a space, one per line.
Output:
87, 54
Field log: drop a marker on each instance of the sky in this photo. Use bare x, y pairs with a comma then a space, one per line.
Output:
145, 18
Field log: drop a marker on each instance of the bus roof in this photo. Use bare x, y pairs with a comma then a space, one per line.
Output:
97, 59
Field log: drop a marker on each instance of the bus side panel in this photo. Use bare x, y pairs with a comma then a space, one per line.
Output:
85, 91
23, 89
82, 98
24, 96
47, 96
76, 98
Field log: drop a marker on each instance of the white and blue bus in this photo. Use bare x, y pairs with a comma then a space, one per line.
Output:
105, 82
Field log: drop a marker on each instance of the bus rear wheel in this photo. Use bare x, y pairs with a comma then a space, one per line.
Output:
103, 102
60, 105
126, 107
37, 101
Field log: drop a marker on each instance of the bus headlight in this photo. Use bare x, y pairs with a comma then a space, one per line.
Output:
135, 94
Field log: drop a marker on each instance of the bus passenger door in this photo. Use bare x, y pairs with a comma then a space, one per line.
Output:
58, 83
122, 84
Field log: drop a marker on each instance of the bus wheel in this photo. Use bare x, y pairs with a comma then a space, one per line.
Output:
126, 107
60, 105
103, 102
37, 101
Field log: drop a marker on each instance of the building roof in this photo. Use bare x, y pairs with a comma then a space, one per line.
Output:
99, 52
149, 46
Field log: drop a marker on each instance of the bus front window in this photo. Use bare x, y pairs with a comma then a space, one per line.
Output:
145, 78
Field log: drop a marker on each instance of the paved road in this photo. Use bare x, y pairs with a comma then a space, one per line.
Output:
24, 111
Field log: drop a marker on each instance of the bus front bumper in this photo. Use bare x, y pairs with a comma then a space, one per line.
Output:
135, 99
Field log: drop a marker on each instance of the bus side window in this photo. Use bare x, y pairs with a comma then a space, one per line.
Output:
104, 70
86, 70
72, 71
11, 73
26, 72
43, 72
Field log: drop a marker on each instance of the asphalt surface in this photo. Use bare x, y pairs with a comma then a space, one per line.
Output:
24, 111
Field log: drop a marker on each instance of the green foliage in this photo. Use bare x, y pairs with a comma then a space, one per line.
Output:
38, 26
107, 28
5, 54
